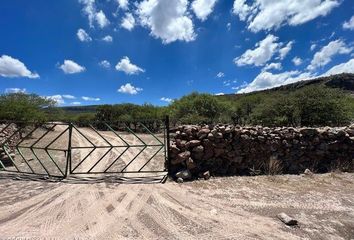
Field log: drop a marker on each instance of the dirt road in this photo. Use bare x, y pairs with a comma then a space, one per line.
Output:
221, 208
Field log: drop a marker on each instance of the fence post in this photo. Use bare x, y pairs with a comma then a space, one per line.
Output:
68, 156
167, 125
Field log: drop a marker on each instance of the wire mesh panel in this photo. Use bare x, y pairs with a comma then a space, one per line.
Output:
34, 148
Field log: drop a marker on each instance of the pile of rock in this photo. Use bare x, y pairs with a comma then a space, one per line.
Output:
233, 150
8, 136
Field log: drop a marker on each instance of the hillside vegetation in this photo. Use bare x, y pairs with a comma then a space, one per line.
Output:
317, 102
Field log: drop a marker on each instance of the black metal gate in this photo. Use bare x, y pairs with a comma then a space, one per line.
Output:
63, 150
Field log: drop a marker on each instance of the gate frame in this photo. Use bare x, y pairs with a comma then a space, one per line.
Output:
68, 164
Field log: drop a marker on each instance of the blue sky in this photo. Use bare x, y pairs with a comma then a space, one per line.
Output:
83, 52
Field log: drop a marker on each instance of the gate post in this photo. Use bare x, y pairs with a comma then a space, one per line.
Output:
68, 156
167, 126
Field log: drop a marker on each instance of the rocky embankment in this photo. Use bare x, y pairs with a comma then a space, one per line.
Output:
5, 133
201, 151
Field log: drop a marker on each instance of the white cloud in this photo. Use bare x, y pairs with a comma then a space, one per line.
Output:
165, 99
285, 50
107, 38
123, 4
324, 56
101, 19
105, 64
270, 14
269, 66
349, 24
58, 99
75, 103
67, 96
203, 8
266, 80
93, 15
15, 90
313, 46
90, 99
83, 36
128, 22
219, 94
129, 68
12, 67
263, 52
168, 20
347, 67
297, 61
71, 67
220, 75
228, 26
129, 89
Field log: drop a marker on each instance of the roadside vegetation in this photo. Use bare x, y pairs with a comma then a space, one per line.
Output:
314, 105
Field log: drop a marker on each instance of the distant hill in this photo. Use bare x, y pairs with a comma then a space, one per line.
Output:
80, 109
344, 81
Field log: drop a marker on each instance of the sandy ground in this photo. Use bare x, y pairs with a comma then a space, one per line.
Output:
221, 208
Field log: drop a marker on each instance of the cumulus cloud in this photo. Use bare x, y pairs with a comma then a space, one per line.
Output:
203, 8
93, 99
270, 14
93, 15
276, 66
128, 22
123, 4
129, 68
349, 24
15, 90
71, 67
83, 36
266, 80
75, 103
347, 67
167, 20
297, 61
324, 56
104, 64
107, 38
58, 99
263, 52
129, 89
68, 96
12, 67
165, 99
220, 75
285, 50
313, 46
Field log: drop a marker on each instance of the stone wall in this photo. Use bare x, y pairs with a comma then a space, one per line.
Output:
6, 132
198, 151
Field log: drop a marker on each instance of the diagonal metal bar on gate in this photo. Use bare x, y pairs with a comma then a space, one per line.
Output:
150, 133
21, 154
99, 160
61, 134
27, 135
51, 158
112, 130
120, 155
151, 158
94, 129
7, 125
48, 130
40, 161
83, 135
134, 158
93, 149
13, 162
131, 131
